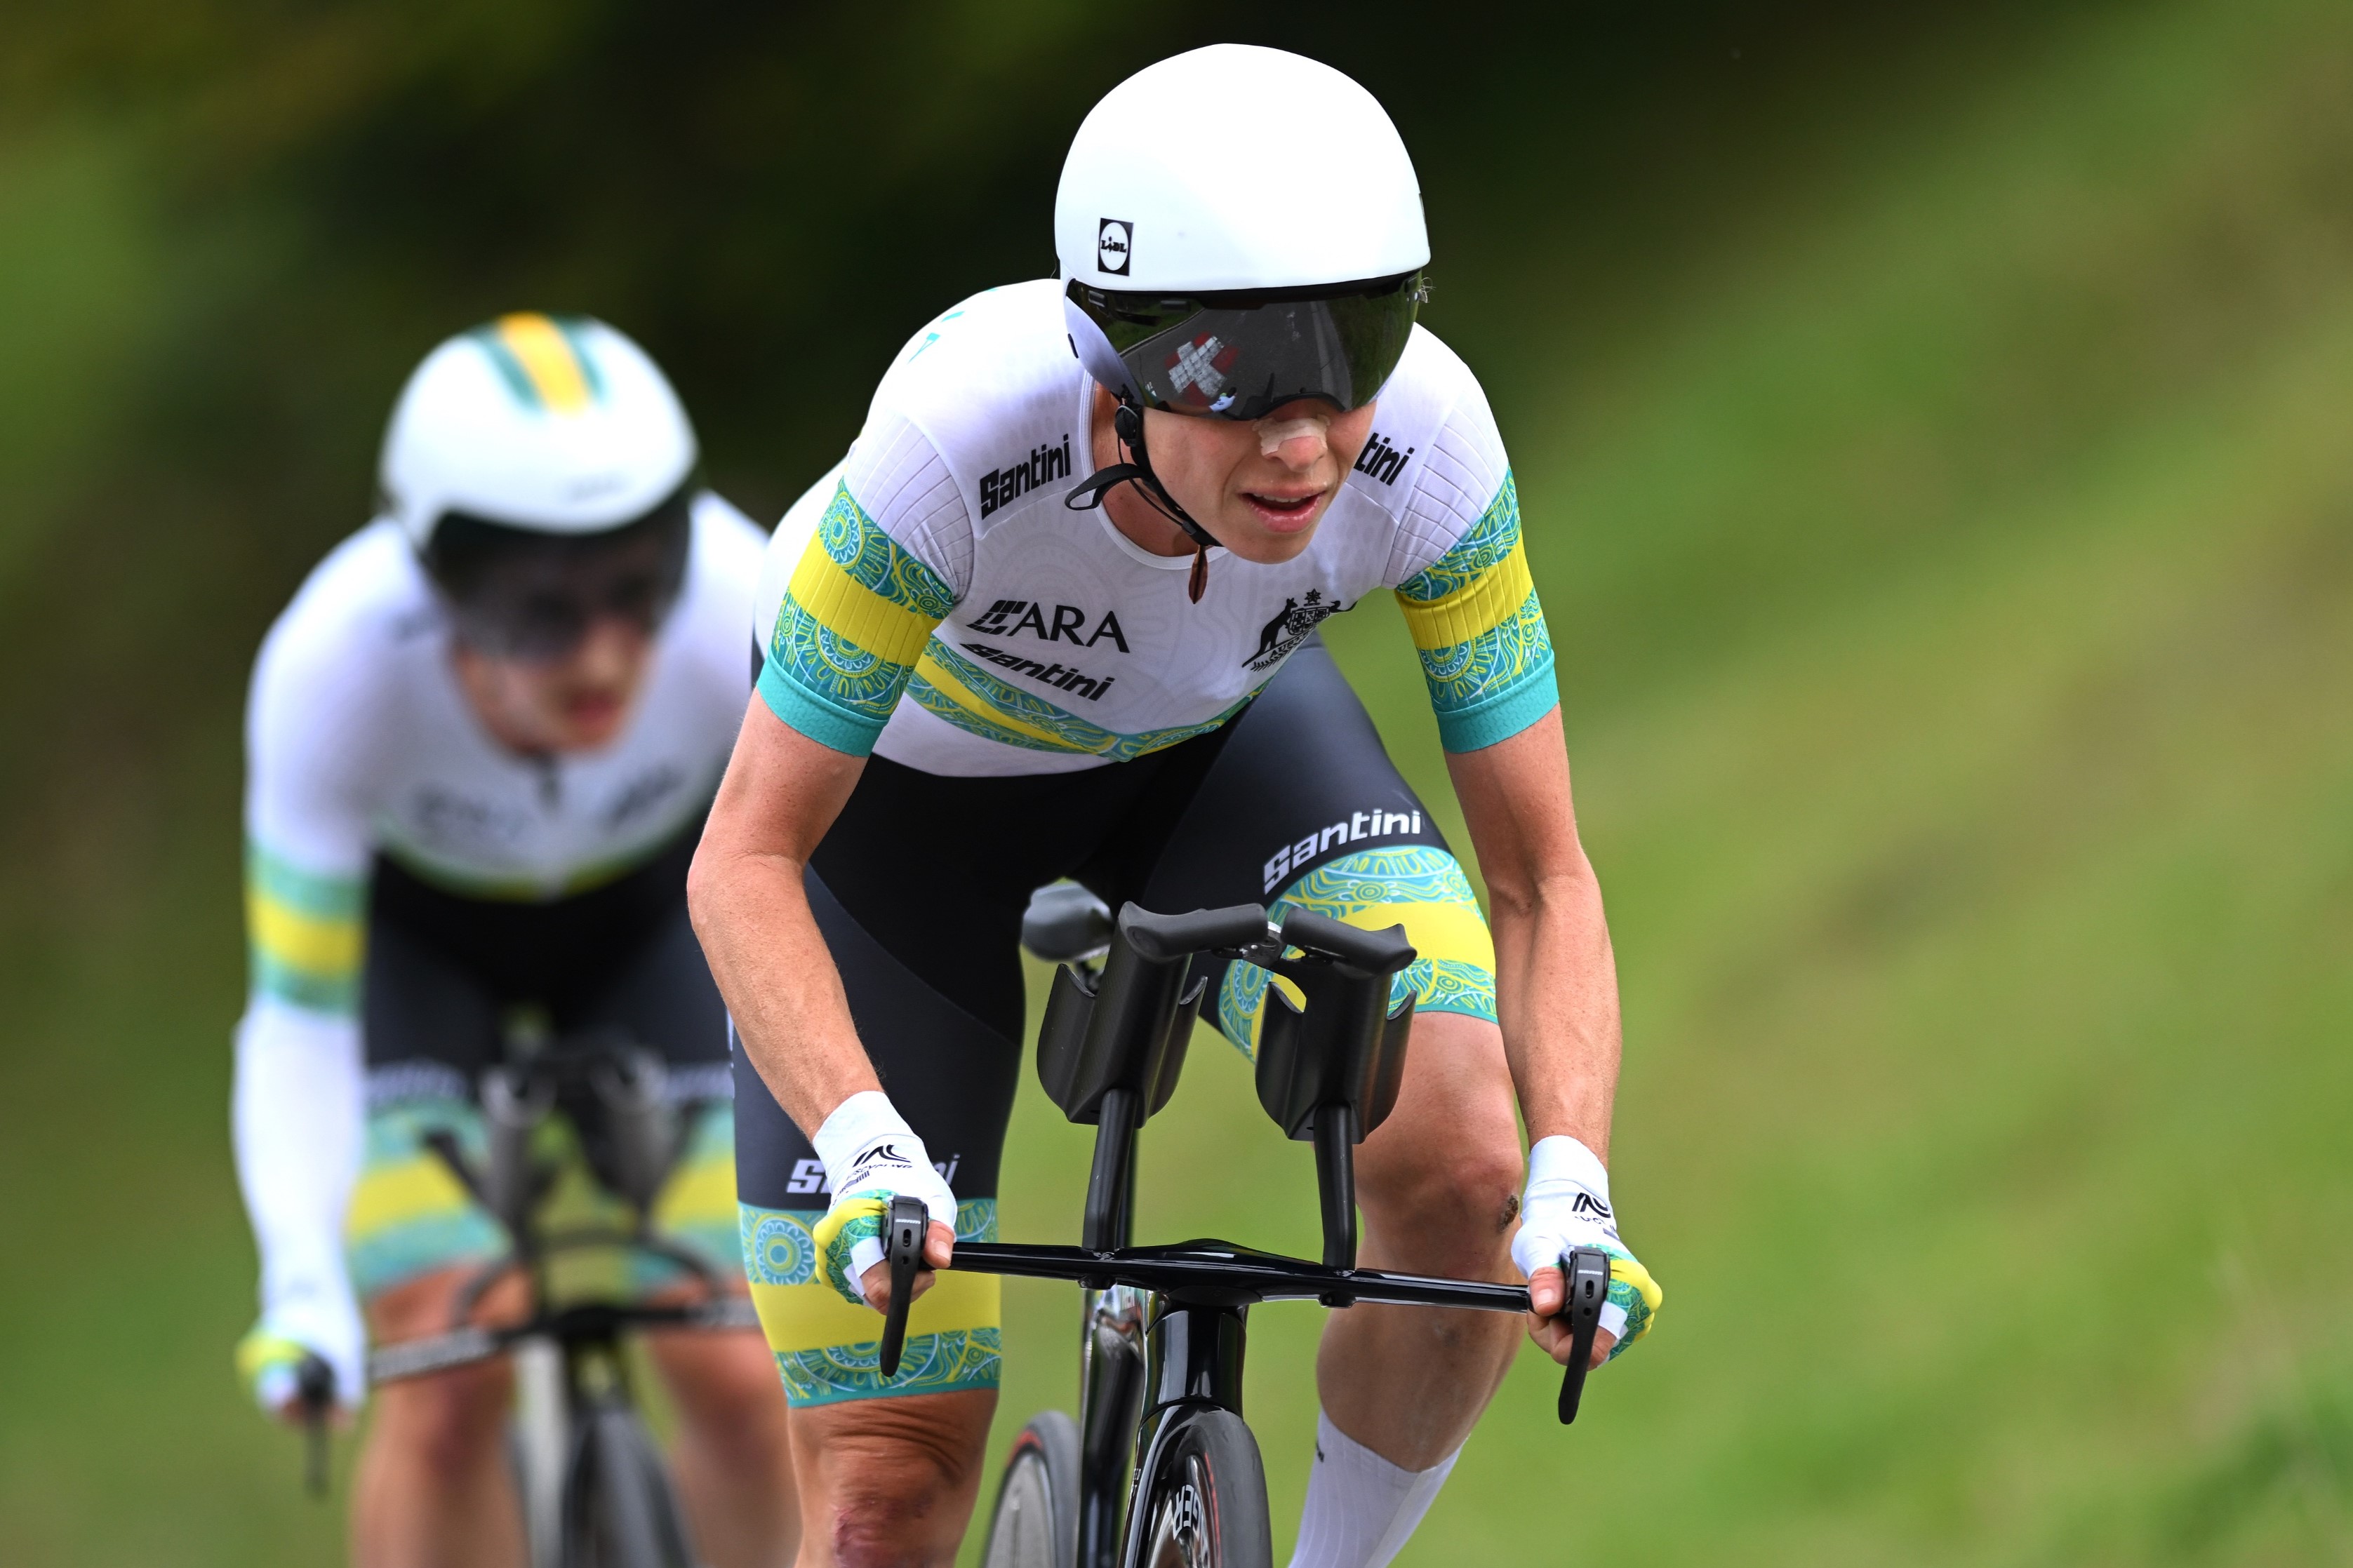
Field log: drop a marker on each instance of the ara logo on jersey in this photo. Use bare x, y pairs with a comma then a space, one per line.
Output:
1113, 239
1002, 487
1012, 617
1382, 460
1289, 628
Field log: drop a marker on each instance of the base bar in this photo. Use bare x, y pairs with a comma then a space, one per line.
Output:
1212, 1272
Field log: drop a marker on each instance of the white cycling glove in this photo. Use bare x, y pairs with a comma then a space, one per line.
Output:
1567, 1206
270, 1355
871, 1156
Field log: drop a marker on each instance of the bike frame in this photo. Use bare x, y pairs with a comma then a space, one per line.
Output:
1165, 1329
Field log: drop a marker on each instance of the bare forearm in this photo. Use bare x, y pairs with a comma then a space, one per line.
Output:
1556, 990
751, 909
1555, 978
773, 968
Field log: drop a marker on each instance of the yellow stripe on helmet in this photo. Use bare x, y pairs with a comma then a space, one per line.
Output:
548, 359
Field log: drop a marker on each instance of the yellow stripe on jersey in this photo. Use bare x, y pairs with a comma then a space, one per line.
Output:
1474, 610
1480, 633
990, 716
317, 944
547, 359
306, 931
824, 588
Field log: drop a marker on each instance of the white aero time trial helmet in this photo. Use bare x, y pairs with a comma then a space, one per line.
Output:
540, 466
550, 424
1204, 276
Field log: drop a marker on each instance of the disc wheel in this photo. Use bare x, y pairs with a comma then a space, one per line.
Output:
1036, 1524
1204, 1504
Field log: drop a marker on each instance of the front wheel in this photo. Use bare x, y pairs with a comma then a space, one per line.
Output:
618, 1509
1037, 1521
1204, 1503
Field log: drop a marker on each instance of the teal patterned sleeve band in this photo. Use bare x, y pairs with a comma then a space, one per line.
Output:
854, 620
1480, 630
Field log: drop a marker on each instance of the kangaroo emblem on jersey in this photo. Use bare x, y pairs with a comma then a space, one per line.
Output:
1289, 628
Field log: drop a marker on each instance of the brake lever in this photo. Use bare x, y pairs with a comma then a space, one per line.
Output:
315, 1389
1585, 1275
904, 1228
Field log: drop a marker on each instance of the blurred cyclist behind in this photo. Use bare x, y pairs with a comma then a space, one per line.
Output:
480, 744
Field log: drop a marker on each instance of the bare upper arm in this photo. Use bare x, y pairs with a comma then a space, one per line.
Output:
781, 791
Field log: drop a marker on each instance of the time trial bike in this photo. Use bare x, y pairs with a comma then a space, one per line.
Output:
594, 1488
1160, 1469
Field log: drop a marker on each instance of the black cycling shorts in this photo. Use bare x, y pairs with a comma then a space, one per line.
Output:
919, 889
450, 979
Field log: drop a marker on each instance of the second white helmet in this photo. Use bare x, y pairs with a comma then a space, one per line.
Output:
555, 425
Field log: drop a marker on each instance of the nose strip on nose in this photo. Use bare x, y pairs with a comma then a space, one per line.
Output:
1273, 433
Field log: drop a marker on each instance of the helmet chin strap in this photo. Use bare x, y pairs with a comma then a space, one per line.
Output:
1127, 423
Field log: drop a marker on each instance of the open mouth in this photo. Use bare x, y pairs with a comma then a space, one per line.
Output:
1283, 512
592, 709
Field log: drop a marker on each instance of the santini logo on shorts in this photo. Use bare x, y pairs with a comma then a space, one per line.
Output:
1360, 826
809, 1175
1002, 487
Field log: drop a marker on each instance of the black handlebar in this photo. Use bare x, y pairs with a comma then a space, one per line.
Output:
1161, 938
1374, 951
903, 1230
1585, 1275
314, 1392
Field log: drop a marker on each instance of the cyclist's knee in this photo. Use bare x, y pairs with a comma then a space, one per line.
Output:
451, 1424
898, 1473
726, 1388
1444, 1170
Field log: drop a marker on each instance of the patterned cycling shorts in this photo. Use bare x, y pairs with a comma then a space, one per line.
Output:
409, 1217
919, 889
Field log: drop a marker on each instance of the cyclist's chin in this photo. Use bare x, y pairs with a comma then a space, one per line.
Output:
1255, 534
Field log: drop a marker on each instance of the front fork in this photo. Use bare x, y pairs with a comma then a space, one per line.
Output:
1112, 1373
1135, 1345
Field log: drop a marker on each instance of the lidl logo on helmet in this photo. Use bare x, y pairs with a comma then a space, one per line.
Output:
1112, 241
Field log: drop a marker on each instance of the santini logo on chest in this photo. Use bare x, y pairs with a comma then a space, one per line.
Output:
1002, 487
1382, 460
1011, 617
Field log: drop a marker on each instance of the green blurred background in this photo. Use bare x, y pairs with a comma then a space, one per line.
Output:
1933, 426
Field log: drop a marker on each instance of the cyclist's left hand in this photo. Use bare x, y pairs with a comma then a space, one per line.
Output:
1567, 1206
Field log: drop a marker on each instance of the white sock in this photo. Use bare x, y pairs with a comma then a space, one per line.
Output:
1361, 1510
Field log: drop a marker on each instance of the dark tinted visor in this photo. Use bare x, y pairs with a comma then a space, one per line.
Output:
1242, 355
520, 593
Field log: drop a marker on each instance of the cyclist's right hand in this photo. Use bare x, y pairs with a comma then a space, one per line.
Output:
871, 1156
270, 1357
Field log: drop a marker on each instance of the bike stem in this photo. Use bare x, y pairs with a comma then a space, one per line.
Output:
1335, 1136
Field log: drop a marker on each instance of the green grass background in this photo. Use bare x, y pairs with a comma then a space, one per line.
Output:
1946, 525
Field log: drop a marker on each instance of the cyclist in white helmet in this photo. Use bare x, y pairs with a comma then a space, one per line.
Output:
481, 741
1058, 618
